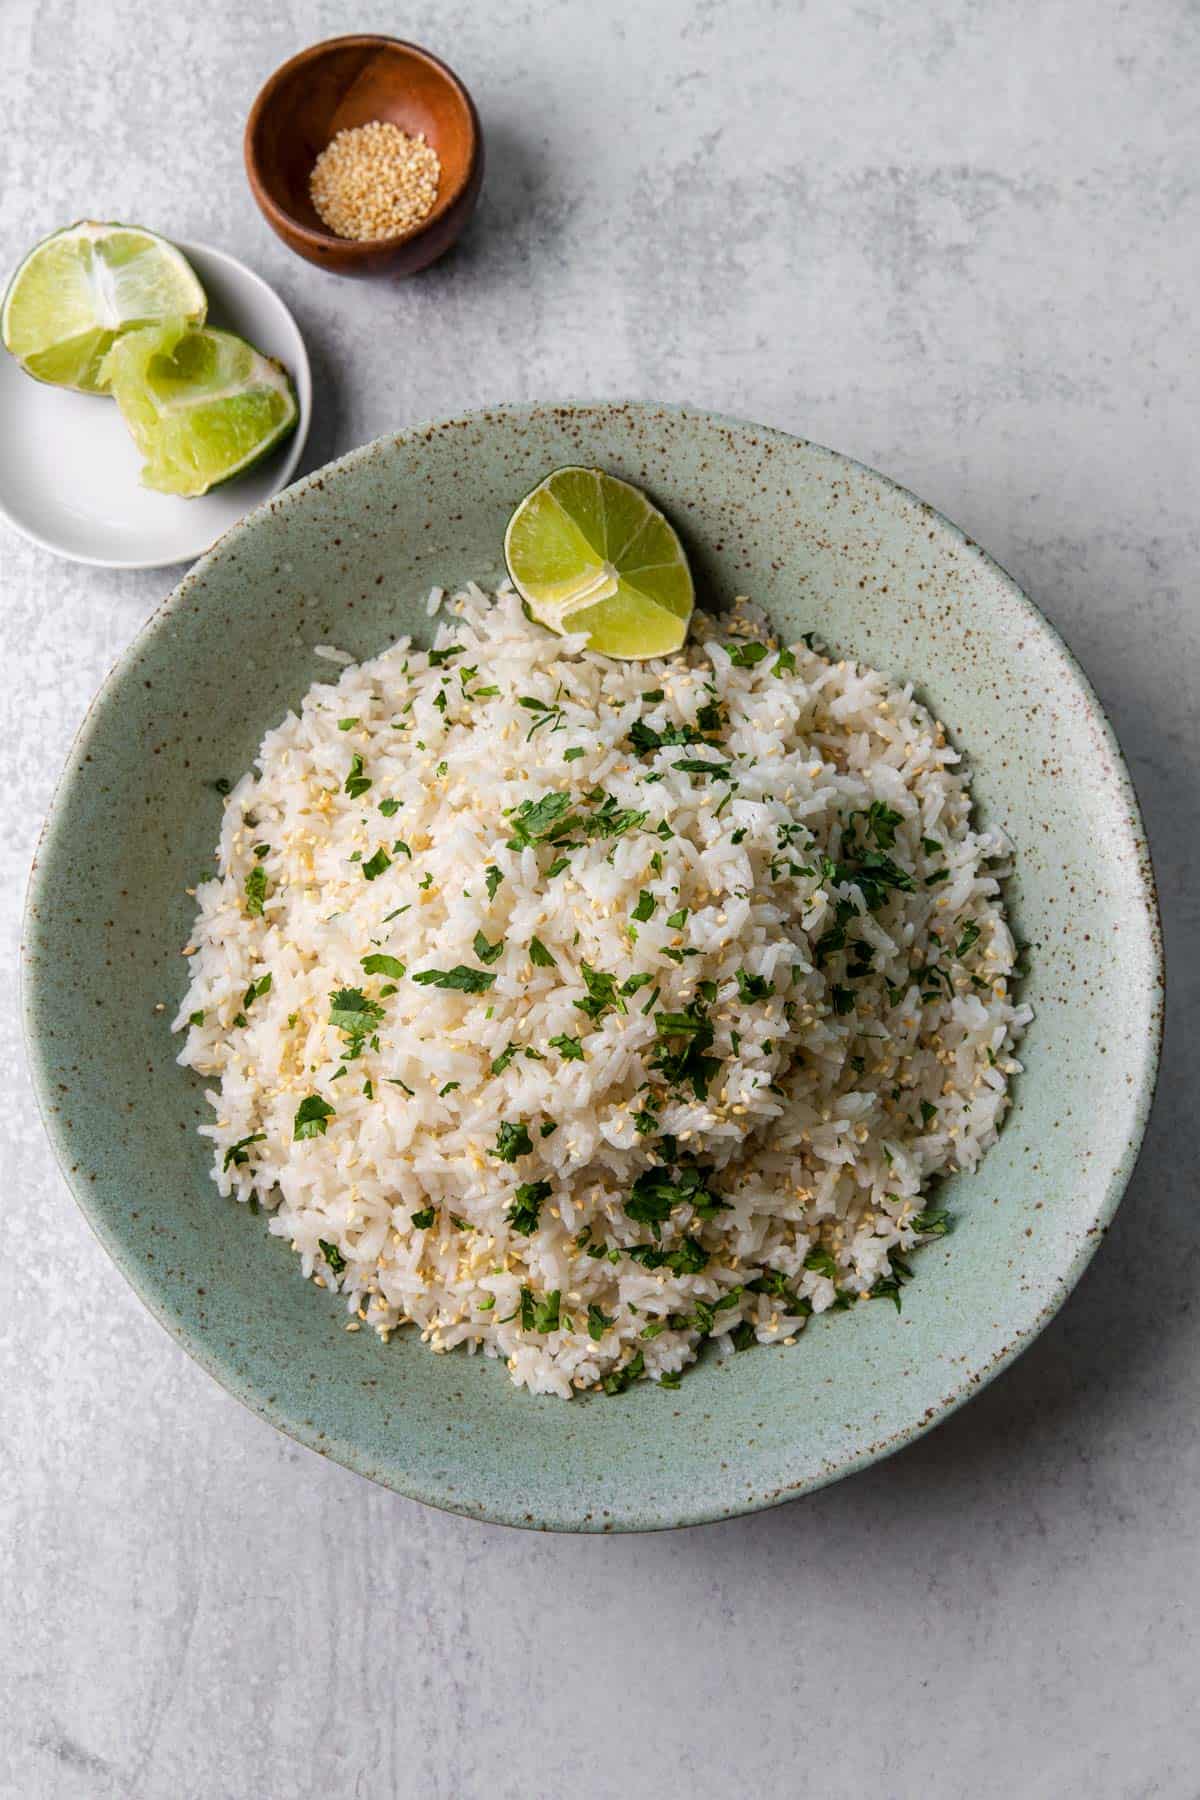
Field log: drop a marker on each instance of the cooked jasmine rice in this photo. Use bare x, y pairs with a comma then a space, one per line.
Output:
579, 1011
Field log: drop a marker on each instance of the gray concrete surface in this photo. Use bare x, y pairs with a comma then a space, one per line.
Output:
959, 242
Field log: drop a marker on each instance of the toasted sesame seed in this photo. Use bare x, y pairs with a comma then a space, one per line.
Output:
375, 181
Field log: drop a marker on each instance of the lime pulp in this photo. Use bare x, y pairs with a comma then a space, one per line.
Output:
78, 290
201, 405
588, 552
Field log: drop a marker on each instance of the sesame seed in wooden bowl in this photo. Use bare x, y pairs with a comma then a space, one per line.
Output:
365, 155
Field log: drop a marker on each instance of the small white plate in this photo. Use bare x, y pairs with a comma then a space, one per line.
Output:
69, 471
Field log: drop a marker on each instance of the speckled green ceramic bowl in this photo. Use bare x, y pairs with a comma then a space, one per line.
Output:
345, 557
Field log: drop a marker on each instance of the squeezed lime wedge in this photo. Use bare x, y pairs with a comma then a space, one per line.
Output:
588, 552
201, 405
78, 290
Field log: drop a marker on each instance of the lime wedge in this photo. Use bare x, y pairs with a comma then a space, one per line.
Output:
201, 405
76, 291
588, 552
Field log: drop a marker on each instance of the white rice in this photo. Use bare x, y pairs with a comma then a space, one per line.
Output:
833, 1098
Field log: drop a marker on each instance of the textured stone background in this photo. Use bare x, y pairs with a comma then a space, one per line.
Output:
959, 242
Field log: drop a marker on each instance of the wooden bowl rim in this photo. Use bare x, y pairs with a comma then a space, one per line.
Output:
359, 248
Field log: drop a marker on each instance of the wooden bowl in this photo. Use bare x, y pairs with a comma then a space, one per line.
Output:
350, 81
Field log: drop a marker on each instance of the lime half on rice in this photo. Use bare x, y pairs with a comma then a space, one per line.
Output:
201, 405
588, 552
78, 290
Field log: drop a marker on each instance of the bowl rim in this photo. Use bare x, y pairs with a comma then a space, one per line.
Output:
319, 238
1138, 1098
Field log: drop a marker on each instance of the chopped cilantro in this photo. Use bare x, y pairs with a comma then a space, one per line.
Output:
448, 1088
696, 766
538, 821
487, 953
784, 664
774, 1282
437, 658
598, 1322
574, 753
690, 1064
843, 1000
753, 987
611, 820
677, 920
602, 993
351, 1012
821, 1263
874, 873
421, 1221
569, 1048
493, 878
644, 909
356, 782
688, 1257
347, 724
658, 1189
389, 808
539, 956
645, 739
539, 1314
619, 1379
460, 979
931, 1224
928, 1112
312, 1117
882, 823
236, 1155
524, 1213
888, 1286
970, 935
255, 890
377, 864
261, 986
196, 1018
332, 1255
931, 846
502, 1061
745, 656
512, 1141
378, 964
